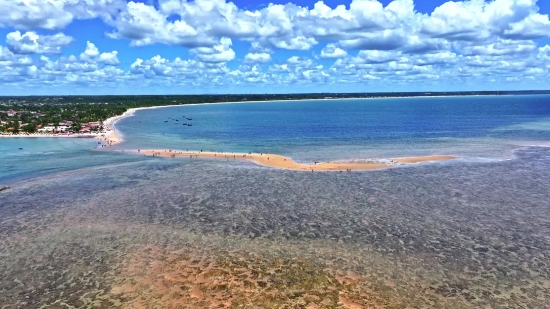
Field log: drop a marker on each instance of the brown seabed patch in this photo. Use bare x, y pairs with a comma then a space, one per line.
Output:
155, 278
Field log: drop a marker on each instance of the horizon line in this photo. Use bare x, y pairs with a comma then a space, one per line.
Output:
289, 93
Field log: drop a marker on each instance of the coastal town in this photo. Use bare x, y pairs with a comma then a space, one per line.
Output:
47, 117
12, 124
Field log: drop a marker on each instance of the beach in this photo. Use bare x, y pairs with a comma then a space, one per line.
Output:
99, 135
353, 161
282, 162
111, 136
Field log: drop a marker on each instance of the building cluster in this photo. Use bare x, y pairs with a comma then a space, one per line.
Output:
15, 120
88, 127
66, 125
62, 127
12, 113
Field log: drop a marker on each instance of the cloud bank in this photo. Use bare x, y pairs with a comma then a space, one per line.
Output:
361, 44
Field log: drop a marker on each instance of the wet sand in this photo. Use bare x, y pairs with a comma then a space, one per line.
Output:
278, 161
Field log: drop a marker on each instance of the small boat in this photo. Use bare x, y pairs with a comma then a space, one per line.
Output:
20, 148
165, 120
189, 125
189, 118
184, 124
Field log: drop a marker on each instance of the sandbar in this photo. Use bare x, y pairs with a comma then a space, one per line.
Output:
278, 161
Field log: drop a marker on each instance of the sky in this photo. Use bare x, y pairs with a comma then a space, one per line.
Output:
60, 47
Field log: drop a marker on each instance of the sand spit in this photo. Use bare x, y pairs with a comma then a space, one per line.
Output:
278, 161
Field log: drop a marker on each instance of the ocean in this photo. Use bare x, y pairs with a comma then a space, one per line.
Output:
84, 226
481, 127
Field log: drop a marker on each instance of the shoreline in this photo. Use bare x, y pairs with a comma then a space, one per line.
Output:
282, 162
110, 122
116, 137
112, 136
48, 135
109, 137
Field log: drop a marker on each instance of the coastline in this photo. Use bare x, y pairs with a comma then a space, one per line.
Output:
112, 136
282, 162
130, 112
49, 135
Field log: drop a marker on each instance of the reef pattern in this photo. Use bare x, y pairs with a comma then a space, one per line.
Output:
198, 233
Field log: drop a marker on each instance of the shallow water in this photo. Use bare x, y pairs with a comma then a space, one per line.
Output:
112, 230
464, 235
47, 156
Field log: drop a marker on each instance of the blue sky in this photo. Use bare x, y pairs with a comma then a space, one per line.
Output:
217, 46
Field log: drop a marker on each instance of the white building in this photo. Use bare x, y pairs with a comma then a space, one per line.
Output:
54, 129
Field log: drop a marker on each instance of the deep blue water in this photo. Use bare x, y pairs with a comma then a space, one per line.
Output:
475, 128
341, 129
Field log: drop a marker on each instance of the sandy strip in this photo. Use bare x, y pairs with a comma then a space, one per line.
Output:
278, 161
47, 135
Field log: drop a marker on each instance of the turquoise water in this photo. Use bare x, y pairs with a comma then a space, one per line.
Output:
455, 234
346, 129
46, 156
474, 128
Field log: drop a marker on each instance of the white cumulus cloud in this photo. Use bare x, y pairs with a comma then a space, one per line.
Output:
54, 14
257, 58
32, 43
221, 52
331, 51
358, 41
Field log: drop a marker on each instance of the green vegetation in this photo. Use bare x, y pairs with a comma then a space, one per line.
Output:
34, 112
